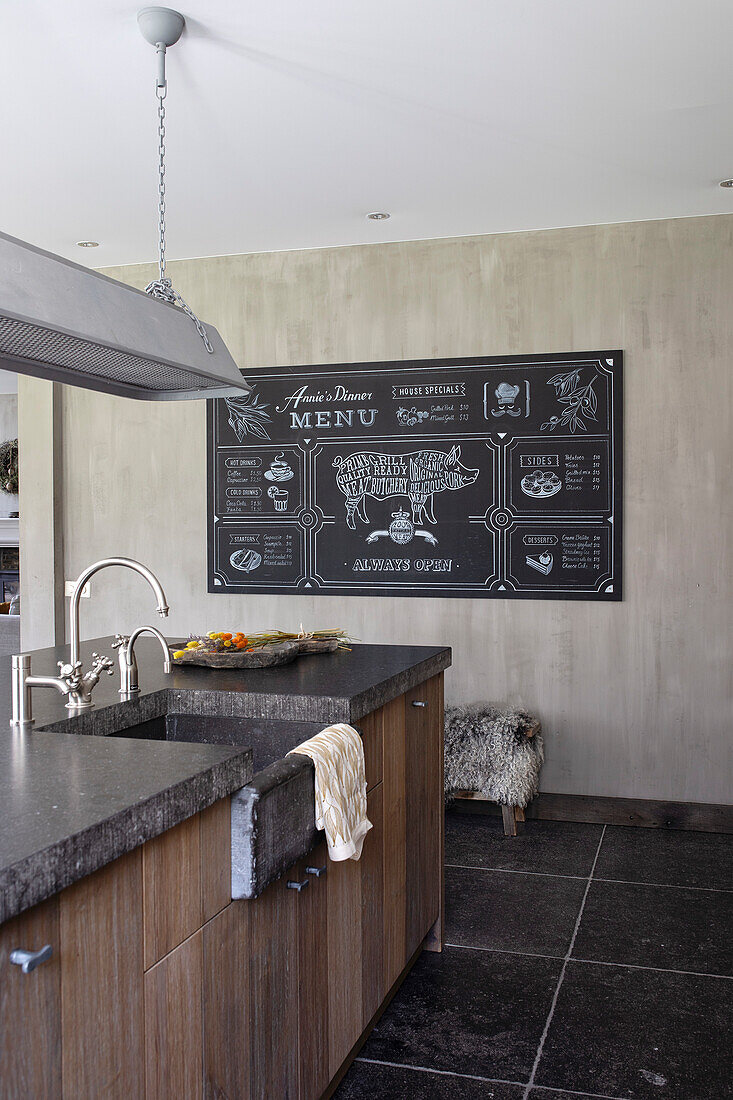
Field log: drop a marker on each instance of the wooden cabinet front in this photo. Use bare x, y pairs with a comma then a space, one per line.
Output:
373, 980
353, 914
394, 817
174, 1024
273, 949
226, 999
102, 982
424, 810
30, 1007
312, 921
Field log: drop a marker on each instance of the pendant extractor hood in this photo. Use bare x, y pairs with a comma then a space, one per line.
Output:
66, 323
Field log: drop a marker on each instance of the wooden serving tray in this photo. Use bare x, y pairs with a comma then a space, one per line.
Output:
266, 656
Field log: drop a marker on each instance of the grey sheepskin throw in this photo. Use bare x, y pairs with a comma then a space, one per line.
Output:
487, 750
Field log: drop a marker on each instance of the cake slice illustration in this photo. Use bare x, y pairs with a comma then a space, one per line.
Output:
543, 564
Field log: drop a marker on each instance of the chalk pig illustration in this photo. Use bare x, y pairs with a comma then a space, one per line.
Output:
418, 476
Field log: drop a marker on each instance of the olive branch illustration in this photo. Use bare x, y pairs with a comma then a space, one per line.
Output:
579, 399
247, 416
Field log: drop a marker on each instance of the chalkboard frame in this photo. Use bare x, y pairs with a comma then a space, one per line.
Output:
499, 589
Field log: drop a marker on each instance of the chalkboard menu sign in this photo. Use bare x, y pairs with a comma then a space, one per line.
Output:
482, 477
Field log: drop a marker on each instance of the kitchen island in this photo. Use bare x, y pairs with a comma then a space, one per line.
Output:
116, 849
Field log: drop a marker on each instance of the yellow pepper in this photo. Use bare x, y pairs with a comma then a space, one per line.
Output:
179, 653
192, 645
227, 643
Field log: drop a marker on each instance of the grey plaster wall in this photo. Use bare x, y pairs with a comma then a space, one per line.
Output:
635, 697
45, 494
8, 430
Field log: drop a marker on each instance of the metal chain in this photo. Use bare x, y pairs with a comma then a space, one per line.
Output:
161, 182
163, 290
162, 287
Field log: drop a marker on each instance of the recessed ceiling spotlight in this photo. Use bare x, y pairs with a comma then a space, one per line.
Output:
88, 244
378, 216
726, 183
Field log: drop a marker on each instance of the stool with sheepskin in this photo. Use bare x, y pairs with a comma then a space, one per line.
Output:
493, 754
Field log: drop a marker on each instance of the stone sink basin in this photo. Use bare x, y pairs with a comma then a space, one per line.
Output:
273, 816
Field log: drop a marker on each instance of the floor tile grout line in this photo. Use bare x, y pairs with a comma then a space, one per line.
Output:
656, 969
512, 871
483, 1080
574, 1092
586, 962
553, 1005
504, 951
440, 1072
596, 878
665, 885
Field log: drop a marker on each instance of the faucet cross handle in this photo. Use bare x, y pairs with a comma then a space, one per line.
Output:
120, 641
102, 664
70, 674
81, 686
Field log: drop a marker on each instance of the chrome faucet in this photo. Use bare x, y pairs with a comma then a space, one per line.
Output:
89, 572
71, 681
125, 646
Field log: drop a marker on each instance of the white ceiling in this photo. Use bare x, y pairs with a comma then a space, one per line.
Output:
288, 120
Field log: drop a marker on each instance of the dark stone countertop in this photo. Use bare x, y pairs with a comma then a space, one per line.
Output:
71, 803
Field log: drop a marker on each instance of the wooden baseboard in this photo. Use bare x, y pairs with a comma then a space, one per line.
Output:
707, 817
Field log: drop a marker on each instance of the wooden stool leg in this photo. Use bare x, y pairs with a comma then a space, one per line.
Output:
518, 813
510, 823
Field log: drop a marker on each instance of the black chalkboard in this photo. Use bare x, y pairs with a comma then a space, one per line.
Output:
482, 477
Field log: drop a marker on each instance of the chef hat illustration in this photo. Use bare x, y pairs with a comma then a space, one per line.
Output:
507, 394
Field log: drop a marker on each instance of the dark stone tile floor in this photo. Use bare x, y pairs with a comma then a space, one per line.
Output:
512, 912
584, 963
672, 928
372, 1080
669, 856
641, 1034
477, 840
478, 1010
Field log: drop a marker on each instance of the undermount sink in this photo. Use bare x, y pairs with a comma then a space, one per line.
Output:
273, 819
269, 739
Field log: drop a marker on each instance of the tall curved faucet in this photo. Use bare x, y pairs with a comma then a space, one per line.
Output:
128, 563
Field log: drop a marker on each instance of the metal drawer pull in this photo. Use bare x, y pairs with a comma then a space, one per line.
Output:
298, 885
29, 960
419, 703
317, 871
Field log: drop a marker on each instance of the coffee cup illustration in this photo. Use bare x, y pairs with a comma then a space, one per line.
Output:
279, 498
280, 469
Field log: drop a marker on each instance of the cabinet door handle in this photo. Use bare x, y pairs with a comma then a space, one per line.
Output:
317, 871
419, 703
29, 960
298, 885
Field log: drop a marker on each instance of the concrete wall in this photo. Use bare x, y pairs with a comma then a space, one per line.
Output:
45, 496
8, 430
635, 697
